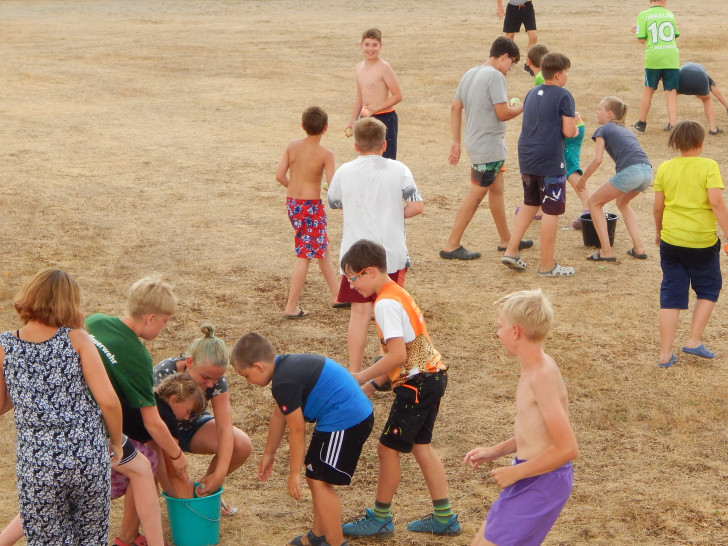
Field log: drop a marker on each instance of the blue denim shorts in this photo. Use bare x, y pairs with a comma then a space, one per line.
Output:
185, 436
683, 267
633, 178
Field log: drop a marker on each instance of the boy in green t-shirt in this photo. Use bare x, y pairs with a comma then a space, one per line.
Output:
656, 29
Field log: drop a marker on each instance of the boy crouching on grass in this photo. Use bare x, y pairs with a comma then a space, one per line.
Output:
313, 388
418, 380
537, 485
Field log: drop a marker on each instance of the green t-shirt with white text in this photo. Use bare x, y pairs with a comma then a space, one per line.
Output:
657, 27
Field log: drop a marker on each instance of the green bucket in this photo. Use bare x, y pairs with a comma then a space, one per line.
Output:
195, 522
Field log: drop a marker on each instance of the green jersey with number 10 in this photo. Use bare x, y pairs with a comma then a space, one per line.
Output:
657, 27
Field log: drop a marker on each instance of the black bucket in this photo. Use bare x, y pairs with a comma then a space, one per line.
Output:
590, 234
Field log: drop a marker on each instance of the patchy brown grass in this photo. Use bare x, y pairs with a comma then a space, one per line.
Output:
143, 136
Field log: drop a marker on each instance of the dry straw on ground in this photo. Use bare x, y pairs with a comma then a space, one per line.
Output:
140, 136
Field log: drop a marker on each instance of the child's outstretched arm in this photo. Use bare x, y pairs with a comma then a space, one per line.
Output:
396, 356
563, 447
276, 428
594, 165
282, 170
296, 445
657, 209
479, 455
100, 386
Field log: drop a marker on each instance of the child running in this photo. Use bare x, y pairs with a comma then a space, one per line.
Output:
310, 388
688, 202
419, 379
305, 160
52, 375
633, 176
537, 485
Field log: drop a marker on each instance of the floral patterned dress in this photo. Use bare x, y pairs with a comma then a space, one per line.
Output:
62, 453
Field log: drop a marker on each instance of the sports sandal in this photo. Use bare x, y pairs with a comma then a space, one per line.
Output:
514, 262
524, 244
717, 131
312, 539
558, 271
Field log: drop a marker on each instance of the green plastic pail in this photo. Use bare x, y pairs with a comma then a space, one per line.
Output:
195, 522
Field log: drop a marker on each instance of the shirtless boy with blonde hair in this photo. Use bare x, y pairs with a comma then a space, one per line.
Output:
538, 483
377, 91
300, 171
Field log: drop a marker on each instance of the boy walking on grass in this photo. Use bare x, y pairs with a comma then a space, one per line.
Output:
482, 94
548, 117
371, 191
310, 388
418, 378
536, 486
300, 171
377, 91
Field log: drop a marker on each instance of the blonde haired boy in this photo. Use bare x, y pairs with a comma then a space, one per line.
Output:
538, 483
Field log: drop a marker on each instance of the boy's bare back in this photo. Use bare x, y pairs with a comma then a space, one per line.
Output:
302, 167
542, 411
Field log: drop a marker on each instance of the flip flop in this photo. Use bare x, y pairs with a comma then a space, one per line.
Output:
514, 262
597, 258
669, 363
460, 253
701, 351
524, 244
632, 253
341, 305
140, 540
301, 314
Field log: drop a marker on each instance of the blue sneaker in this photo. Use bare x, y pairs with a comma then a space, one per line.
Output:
430, 524
369, 525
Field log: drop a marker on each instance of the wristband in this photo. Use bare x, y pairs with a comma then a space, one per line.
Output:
373, 384
178, 456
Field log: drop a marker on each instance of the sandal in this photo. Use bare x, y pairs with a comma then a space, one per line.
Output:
558, 271
301, 313
140, 540
312, 539
514, 262
226, 509
596, 257
632, 253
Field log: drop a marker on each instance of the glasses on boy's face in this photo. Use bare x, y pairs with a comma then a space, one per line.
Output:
355, 277
513, 61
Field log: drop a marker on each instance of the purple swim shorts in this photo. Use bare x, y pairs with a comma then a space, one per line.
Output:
524, 512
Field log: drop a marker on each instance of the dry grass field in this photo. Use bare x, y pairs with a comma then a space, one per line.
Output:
141, 136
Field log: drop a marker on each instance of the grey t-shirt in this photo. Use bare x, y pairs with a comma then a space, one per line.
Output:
479, 89
622, 145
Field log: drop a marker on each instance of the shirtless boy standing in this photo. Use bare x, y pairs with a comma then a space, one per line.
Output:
538, 483
300, 171
377, 90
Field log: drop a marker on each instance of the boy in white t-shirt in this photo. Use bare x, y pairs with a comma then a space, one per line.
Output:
371, 190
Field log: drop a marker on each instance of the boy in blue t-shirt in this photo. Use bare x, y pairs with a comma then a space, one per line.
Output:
310, 388
548, 116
